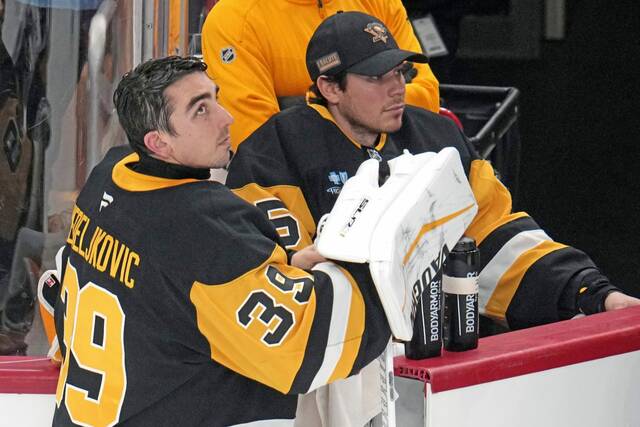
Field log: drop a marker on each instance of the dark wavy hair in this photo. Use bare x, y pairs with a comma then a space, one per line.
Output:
318, 97
140, 100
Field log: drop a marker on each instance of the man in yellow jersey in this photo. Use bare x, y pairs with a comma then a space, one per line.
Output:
294, 166
255, 51
178, 306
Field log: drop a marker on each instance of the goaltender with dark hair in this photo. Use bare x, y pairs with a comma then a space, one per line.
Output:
178, 305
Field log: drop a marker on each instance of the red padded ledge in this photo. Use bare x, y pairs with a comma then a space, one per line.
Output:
497, 357
529, 350
28, 375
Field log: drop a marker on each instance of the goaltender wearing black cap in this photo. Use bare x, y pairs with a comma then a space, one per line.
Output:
354, 42
295, 165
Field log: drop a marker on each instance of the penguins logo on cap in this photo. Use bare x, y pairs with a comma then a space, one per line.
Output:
378, 31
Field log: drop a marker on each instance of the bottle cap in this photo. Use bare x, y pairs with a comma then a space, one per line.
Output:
465, 244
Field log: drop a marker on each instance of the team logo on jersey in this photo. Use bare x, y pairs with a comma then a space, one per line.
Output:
227, 54
337, 179
378, 31
374, 154
106, 200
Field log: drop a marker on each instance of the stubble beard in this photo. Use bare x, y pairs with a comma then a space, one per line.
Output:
223, 162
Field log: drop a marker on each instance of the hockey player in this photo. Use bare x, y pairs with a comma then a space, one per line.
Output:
178, 306
255, 51
294, 166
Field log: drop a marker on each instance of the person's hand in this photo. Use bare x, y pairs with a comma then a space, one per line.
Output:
306, 258
618, 300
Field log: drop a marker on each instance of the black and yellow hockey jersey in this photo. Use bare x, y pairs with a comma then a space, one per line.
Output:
294, 166
178, 307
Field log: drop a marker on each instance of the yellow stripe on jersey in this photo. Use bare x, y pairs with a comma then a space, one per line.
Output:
345, 329
353, 335
494, 201
506, 287
295, 204
244, 348
479, 236
130, 180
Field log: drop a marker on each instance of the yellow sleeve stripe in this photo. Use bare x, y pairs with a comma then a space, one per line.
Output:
494, 201
355, 329
504, 260
509, 281
292, 198
346, 327
480, 235
239, 348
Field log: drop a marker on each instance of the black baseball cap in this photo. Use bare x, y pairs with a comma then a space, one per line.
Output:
357, 43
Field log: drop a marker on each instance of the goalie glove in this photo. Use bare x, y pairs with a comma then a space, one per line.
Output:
345, 233
403, 228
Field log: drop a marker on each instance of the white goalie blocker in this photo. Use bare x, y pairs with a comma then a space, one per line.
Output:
400, 228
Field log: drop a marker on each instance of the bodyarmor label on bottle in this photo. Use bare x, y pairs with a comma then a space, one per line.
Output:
434, 309
470, 313
460, 289
427, 280
426, 310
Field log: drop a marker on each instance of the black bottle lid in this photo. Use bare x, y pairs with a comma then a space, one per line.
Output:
465, 244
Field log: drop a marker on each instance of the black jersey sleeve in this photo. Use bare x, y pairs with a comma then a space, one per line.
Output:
262, 174
526, 278
287, 328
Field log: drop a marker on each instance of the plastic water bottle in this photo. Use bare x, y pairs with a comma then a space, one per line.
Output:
460, 289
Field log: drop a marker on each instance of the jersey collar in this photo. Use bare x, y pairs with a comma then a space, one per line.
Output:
326, 114
126, 178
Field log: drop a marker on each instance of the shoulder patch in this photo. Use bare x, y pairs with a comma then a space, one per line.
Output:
227, 54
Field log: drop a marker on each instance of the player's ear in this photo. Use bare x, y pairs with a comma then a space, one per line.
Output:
330, 89
157, 145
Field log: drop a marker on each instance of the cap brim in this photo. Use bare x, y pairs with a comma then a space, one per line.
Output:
384, 62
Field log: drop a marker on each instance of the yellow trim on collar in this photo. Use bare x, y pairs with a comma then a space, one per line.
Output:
326, 114
130, 180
